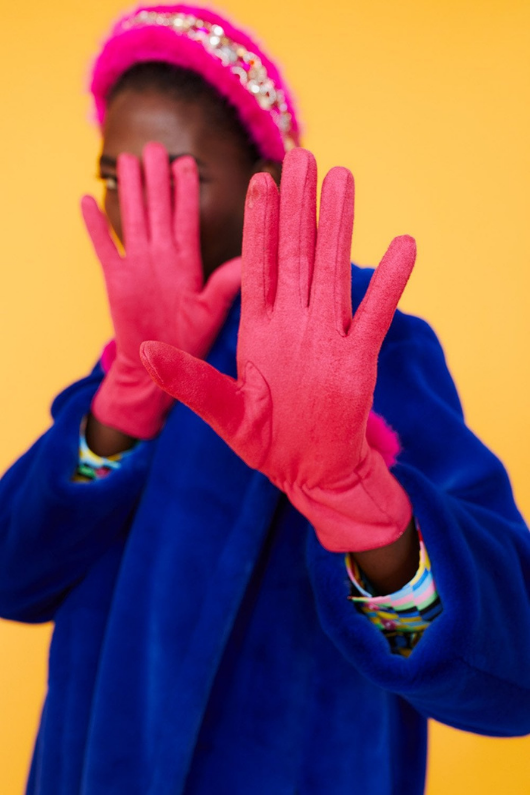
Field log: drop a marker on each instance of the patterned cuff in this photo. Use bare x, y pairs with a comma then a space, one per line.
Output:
94, 467
402, 616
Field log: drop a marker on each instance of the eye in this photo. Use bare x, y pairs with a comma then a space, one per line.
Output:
110, 181
204, 175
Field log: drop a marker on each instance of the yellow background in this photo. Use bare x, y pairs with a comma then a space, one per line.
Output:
427, 103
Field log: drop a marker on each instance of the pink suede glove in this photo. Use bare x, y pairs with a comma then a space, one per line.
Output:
156, 290
306, 370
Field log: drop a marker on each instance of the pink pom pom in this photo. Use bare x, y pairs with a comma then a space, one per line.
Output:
383, 438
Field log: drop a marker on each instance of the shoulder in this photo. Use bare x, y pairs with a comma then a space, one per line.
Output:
405, 329
411, 362
82, 390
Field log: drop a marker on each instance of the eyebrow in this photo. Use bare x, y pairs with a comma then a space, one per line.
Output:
111, 162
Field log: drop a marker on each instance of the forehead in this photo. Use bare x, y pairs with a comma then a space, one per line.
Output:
134, 118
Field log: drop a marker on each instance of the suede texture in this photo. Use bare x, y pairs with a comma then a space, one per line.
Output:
306, 365
203, 638
156, 289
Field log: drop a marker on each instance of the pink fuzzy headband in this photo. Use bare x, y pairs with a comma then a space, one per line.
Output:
198, 39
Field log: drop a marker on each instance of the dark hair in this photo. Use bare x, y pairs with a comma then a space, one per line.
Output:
185, 85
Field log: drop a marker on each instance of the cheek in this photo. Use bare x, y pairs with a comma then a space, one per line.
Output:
221, 225
221, 209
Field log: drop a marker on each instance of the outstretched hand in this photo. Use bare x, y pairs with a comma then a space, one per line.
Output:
156, 289
299, 408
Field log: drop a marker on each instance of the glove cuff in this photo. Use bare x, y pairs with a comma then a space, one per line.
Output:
369, 511
131, 402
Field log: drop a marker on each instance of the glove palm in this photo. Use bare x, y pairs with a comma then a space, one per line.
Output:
300, 407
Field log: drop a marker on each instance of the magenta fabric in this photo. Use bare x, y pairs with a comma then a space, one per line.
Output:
299, 409
156, 289
126, 47
108, 355
204, 641
380, 436
378, 433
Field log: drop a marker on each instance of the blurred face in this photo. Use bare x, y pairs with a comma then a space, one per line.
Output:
134, 118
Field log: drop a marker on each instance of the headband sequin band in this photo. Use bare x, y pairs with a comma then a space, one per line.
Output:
198, 39
247, 66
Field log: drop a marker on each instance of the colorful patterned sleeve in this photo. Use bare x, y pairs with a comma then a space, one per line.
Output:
94, 467
402, 616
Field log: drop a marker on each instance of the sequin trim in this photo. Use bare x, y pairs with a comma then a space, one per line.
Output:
246, 65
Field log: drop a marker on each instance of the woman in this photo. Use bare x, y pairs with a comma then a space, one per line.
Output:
204, 639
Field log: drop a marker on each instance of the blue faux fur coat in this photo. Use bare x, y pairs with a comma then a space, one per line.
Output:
203, 638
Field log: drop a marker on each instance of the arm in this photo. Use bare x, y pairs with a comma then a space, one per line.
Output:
155, 290
307, 375
105, 440
390, 567
51, 528
470, 669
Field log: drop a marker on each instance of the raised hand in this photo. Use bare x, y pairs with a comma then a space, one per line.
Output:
299, 409
156, 290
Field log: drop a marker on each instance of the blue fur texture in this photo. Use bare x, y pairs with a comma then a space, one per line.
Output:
203, 638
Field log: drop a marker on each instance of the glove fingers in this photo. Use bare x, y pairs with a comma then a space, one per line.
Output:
131, 198
97, 227
158, 191
331, 288
215, 397
298, 193
186, 230
260, 250
374, 316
